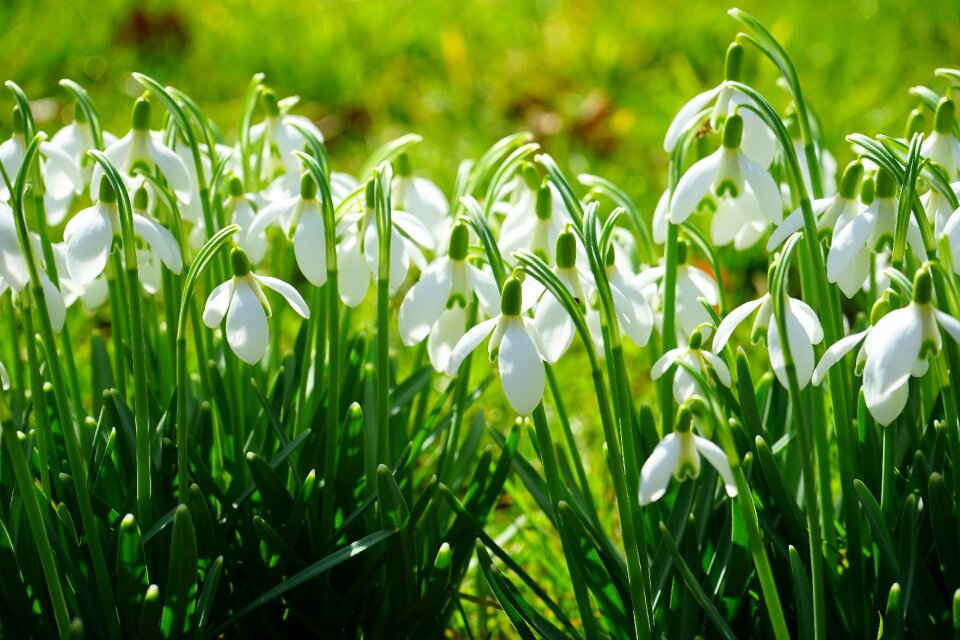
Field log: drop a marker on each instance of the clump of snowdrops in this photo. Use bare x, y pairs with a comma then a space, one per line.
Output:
234, 449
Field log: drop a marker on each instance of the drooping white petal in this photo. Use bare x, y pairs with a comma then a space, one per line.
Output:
310, 249
634, 314
687, 112
289, 293
665, 361
56, 309
807, 318
172, 168
801, 351
160, 240
885, 407
88, 235
354, 274
835, 353
733, 319
849, 241
217, 304
247, 330
719, 367
521, 369
425, 302
719, 461
892, 348
470, 341
764, 187
554, 327
693, 186
658, 469
794, 222
758, 141
660, 218
684, 384
271, 213
949, 324
13, 265
414, 228
59, 165
485, 287
444, 337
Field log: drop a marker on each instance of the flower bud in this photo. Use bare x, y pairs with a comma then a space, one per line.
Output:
235, 187
916, 123
696, 339
733, 63
140, 120
850, 182
943, 119
880, 308
544, 202
566, 250
886, 184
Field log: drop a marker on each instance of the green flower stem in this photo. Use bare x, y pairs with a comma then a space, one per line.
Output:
888, 469
48, 457
555, 490
118, 315
668, 331
35, 519
382, 181
458, 408
78, 468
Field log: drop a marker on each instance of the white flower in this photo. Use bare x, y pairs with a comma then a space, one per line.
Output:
803, 331
827, 211
898, 347
745, 193
241, 300
692, 284
240, 210
952, 230
358, 255
942, 146
513, 345
424, 200
14, 273
634, 314
871, 231
758, 141
678, 456
698, 359
435, 307
661, 216
62, 180
89, 236
277, 137
75, 139
938, 207
534, 223
143, 149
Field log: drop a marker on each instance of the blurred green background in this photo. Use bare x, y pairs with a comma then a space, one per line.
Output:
597, 82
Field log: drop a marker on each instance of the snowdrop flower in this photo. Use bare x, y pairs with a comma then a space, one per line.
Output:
422, 199
896, 348
75, 139
758, 141
828, 211
241, 211
692, 284
952, 230
554, 327
277, 138
828, 168
358, 256
746, 196
61, 179
678, 456
536, 230
803, 331
634, 314
942, 146
14, 273
698, 359
241, 300
938, 208
302, 222
514, 346
661, 217
435, 308
142, 149
871, 231
89, 236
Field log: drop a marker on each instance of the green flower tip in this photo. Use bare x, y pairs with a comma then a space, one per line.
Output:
240, 262
696, 339
566, 250
916, 123
140, 199
403, 165
880, 308
611, 256
128, 523
270, 105
443, 557
19, 126
733, 64
511, 298
943, 120
923, 287
886, 184
308, 187
544, 202
459, 241
107, 193
235, 186
530, 176
850, 183
370, 198
140, 121
682, 249
868, 190
733, 131
684, 419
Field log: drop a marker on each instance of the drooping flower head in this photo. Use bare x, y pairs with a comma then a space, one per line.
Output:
942, 146
422, 199
695, 356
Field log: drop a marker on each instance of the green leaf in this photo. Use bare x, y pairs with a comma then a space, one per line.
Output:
201, 616
132, 574
181, 588
276, 499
